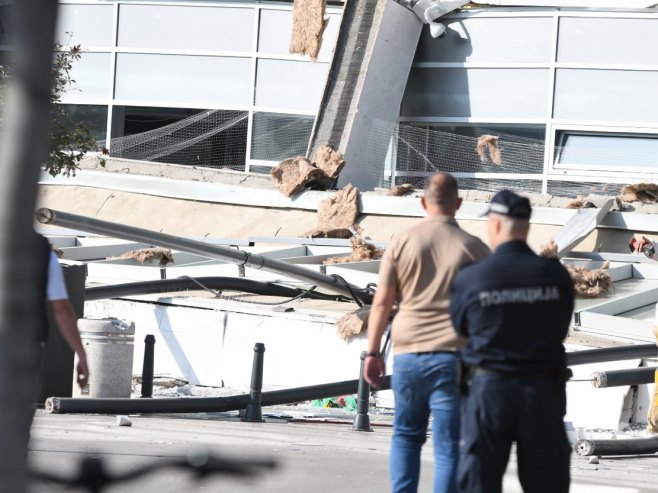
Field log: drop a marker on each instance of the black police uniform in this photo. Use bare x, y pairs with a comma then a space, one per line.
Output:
515, 308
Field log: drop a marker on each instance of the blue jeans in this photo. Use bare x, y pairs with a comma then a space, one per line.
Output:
424, 383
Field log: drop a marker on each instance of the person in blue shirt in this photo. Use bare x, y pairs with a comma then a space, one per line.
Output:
515, 308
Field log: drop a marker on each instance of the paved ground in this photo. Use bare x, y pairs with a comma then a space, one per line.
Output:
317, 454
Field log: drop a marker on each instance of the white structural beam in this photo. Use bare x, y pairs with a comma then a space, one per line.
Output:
591, 4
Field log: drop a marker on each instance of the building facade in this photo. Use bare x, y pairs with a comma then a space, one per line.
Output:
567, 91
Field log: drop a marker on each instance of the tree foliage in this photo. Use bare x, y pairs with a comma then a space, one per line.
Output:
69, 141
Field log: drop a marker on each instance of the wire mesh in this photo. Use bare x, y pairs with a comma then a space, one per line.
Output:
213, 138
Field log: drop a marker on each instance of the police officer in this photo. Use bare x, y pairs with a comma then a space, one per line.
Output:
515, 308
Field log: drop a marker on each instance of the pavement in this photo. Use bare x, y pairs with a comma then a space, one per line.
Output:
315, 449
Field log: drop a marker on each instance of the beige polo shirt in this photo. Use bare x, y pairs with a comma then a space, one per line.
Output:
421, 264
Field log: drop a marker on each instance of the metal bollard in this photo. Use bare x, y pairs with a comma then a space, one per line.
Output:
362, 420
254, 411
147, 367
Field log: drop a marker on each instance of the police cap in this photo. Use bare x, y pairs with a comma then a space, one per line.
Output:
507, 203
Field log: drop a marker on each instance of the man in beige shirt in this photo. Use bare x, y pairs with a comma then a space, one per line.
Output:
417, 270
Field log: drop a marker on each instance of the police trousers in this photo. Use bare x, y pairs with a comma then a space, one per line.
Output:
526, 409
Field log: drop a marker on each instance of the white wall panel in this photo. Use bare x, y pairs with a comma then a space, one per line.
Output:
479, 93
186, 79
186, 28
608, 40
92, 77
489, 39
606, 95
88, 25
290, 84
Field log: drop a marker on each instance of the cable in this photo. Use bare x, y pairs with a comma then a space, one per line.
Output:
218, 293
349, 288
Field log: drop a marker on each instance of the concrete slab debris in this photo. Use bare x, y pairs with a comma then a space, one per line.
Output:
293, 174
337, 214
329, 160
308, 25
354, 323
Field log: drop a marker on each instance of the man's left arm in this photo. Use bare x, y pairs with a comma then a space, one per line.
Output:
380, 311
67, 323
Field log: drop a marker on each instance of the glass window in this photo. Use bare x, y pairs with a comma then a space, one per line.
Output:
482, 93
493, 39
92, 78
607, 40
276, 27
277, 136
94, 117
186, 27
88, 25
606, 95
185, 79
290, 84
614, 152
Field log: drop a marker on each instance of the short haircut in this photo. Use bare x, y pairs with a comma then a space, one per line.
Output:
441, 189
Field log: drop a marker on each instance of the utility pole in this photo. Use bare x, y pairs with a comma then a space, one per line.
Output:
23, 149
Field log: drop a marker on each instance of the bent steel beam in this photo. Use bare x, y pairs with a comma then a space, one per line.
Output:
73, 221
64, 405
196, 283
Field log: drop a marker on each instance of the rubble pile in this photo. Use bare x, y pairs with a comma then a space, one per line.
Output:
400, 190
590, 283
646, 193
292, 175
579, 203
361, 250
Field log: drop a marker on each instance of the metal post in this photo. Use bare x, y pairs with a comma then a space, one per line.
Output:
147, 367
254, 411
362, 420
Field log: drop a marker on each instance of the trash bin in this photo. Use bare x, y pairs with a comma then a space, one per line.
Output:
109, 346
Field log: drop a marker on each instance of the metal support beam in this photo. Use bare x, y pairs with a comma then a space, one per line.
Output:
242, 258
63, 405
196, 283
